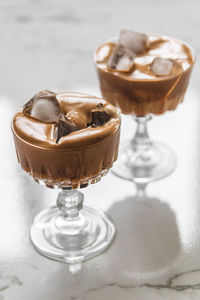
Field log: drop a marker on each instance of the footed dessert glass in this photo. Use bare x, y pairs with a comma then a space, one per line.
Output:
143, 89
66, 141
70, 232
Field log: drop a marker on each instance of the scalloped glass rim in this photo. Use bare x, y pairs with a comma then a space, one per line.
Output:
67, 184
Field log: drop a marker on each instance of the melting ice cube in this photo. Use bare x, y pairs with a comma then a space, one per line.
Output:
135, 41
161, 66
44, 94
43, 106
121, 59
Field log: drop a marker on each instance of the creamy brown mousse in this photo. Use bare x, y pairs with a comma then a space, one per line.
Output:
77, 148
137, 89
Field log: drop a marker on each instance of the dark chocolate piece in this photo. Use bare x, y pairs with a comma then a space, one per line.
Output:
99, 116
64, 127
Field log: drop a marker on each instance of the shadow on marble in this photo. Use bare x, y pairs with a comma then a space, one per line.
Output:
147, 241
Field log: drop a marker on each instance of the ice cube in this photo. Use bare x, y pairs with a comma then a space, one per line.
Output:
44, 107
124, 63
44, 94
161, 66
121, 59
45, 110
135, 41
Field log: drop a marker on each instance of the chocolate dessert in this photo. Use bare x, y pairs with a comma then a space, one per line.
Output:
143, 74
66, 139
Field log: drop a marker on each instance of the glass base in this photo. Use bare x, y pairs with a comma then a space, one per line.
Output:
154, 163
91, 234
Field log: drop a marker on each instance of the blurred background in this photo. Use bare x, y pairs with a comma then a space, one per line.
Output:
48, 44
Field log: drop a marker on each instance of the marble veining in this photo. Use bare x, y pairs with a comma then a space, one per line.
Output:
8, 282
168, 285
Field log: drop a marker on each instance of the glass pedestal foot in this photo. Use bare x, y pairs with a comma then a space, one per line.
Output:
64, 233
156, 162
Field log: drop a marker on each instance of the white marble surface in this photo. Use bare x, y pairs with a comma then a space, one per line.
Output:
156, 253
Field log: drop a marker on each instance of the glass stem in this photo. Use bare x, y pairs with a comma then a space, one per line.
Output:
141, 190
141, 141
71, 220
